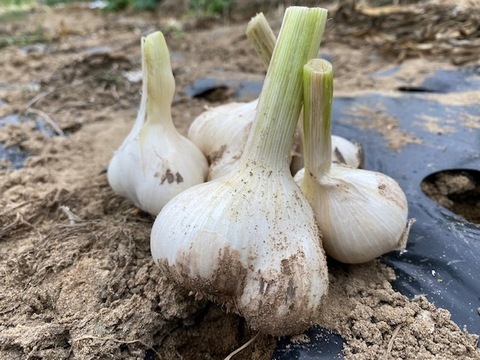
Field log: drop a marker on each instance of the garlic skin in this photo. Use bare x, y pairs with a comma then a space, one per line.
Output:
155, 162
362, 214
221, 126
264, 262
221, 133
152, 168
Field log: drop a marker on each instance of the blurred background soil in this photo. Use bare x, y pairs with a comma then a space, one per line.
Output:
77, 280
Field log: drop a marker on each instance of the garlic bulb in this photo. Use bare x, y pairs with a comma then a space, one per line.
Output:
249, 239
221, 133
346, 152
362, 214
154, 162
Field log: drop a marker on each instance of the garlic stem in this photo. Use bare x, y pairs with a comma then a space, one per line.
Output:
262, 37
318, 93
281, 98
159, 83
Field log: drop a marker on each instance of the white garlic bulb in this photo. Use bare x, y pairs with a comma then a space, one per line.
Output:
346, 152
362, 214
155, 162
249, 239
221, 133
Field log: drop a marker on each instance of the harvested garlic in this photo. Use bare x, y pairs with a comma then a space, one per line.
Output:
221, 134
155, 162
362, 214
249, 240
346, 152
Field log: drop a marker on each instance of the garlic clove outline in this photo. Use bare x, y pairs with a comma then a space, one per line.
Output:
155, 162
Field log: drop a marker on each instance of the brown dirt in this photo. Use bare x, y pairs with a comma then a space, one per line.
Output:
78, 281
378, 119
456, 190
379, 323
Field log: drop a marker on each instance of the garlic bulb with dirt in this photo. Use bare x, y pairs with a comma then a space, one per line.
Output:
362, 214
249, 240
155, 162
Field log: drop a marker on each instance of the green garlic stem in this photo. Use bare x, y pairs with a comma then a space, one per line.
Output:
317, 116
281, 98
262, 37
158, 81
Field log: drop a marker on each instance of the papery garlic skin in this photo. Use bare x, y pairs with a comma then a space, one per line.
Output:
362, 214
263, 260
220, 126
155, 162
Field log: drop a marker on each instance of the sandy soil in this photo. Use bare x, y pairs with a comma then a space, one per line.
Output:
77, 278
